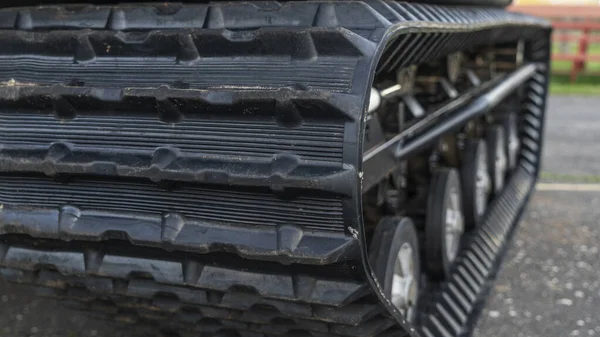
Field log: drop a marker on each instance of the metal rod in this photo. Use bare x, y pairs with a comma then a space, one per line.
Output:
479, 106
462, 114
430, 118
374, 100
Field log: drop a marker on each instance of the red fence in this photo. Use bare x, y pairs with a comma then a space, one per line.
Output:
572, 24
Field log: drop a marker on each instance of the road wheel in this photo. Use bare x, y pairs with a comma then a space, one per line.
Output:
475, 179
394, 256
497, 161
444, 225
512, 142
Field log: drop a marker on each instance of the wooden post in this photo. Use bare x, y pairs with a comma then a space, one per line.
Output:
579, 63
570, 18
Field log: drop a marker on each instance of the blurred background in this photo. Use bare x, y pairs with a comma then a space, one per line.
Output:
576, 52
550, 282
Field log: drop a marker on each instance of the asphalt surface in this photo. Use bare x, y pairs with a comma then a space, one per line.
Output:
548, 286
572, 131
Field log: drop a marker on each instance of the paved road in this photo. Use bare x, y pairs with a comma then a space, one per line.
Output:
549, 285
550, 282
572, 131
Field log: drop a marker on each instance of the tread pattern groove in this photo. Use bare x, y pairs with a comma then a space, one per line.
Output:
104, 151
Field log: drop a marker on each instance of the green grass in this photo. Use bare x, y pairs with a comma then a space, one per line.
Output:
565, 66
585, 85
569, 178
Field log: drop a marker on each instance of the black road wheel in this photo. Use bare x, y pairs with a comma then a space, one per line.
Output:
444, 224
475, 180
497, 161
394, 256
512, 141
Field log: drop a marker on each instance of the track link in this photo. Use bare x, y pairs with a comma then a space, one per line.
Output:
138, 289
223, 196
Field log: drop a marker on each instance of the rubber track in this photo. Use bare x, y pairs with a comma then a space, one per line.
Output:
61, 129
210, 299
104, 149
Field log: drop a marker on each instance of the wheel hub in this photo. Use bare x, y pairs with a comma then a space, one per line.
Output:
513, 146
454, 225
482, 184
501, 165
404, 287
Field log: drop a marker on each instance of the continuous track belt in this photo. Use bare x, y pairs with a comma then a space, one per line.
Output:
201, 165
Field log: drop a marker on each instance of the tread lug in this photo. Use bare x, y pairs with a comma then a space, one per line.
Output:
197, 166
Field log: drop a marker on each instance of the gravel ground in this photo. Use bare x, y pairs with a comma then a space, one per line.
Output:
548, 286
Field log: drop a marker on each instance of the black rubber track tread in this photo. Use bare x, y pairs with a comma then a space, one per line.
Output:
293, 138
138, 289
220, 293
289, 76
497, 3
